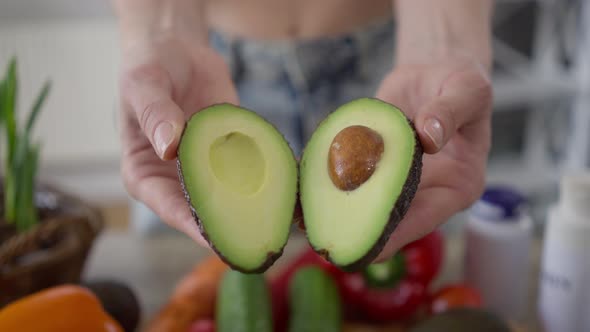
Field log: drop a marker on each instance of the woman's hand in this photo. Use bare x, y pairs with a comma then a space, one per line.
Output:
450, 103
164, 81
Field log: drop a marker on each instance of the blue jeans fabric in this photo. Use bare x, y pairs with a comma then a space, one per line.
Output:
295, 84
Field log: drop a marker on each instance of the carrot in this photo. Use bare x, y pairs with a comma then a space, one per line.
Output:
192, 299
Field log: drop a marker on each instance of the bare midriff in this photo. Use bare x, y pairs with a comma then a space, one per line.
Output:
293, 19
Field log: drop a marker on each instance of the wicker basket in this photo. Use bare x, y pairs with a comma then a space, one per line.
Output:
52, 253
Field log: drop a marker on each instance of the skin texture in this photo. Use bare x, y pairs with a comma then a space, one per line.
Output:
440, 80
353, 157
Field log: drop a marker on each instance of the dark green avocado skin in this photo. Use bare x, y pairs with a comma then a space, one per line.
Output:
397, 213
271, 256
462, 320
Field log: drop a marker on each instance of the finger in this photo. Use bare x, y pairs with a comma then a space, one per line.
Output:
148, 92
464, 98
430, 208
169, 204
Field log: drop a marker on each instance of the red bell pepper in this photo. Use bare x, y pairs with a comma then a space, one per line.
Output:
395, 289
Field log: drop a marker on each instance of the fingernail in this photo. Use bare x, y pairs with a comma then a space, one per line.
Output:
434, 130
163, 137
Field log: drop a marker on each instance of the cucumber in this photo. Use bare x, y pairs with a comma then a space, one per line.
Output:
314, 301
243, 303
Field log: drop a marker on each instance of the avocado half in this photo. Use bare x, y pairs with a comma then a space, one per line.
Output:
358, 175
239, 176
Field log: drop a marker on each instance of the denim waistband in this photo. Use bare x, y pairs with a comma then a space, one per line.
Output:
316, 57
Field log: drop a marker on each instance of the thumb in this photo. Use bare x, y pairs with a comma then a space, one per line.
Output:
464, 98
159, 117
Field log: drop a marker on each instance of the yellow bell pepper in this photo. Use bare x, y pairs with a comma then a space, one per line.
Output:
66, 308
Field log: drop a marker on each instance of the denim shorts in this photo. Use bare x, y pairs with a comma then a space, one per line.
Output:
295, 84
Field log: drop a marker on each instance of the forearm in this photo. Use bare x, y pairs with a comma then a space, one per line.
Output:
430, 29
141, 20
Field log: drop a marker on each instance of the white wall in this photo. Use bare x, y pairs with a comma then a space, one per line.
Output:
77, 128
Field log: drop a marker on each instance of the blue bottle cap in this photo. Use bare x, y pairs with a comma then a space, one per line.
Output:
499, 203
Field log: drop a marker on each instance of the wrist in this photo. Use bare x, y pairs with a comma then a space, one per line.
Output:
141, 21
430, 31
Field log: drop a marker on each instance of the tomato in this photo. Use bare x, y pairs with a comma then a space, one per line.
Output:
202, 325
454, 296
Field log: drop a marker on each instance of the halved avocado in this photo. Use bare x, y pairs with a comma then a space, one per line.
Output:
240, 179
358, 175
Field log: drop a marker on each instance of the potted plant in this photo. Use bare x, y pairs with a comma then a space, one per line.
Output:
45, 234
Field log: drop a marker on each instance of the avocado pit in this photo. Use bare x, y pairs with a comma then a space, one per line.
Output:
353, 156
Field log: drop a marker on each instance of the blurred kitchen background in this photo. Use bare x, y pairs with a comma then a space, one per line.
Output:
541, 121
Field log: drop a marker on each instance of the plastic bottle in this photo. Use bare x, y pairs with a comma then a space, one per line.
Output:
564, 286
497, 253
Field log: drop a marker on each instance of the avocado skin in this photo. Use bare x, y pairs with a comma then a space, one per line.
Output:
271, 256
462, 319
397, 212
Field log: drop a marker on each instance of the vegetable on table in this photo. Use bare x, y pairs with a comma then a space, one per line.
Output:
395, 289
279, 283
243, 303
193, 299
315, 302
58, 309
454, 296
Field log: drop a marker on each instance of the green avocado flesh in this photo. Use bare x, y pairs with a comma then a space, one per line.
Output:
351, 227
240, 178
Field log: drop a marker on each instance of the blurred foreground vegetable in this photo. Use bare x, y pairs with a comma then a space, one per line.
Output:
454, 296
58, 309
193, 298
395, 289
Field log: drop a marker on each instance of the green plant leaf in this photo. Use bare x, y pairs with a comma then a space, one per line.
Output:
27, 215
2, 101
21, 157
36, 107
9, 107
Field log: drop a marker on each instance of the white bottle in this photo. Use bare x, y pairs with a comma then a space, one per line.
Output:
564, 287
497, 253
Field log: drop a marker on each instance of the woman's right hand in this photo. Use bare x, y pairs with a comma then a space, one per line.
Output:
163, 82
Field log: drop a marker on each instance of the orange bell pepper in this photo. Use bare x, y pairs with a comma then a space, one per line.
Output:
58, 309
